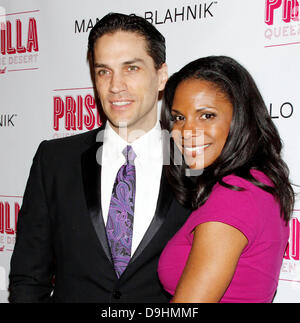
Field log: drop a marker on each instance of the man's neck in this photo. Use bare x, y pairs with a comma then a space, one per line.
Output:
132, 134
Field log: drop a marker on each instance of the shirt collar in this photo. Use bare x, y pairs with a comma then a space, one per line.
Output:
148, 147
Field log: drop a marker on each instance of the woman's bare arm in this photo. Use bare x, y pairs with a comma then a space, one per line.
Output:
211, 264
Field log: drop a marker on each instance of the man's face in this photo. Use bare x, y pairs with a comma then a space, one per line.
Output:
127, 81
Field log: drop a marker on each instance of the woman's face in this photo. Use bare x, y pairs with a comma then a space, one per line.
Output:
202, 115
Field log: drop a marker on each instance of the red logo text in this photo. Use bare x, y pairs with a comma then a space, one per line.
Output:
293, 250
290, 10
78, 112
9, 217
12, 45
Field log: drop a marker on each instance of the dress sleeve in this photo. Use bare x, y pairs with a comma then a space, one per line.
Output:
235, 208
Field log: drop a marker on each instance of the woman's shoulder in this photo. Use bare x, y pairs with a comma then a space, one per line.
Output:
238, 208
245, 184
257, 174
241, 196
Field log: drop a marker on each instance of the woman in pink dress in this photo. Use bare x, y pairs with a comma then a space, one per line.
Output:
231, 247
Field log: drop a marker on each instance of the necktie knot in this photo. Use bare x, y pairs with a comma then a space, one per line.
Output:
129, 154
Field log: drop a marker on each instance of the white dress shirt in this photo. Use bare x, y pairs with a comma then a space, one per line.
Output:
148, 166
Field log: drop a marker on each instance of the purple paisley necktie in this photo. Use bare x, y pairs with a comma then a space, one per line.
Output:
120, 215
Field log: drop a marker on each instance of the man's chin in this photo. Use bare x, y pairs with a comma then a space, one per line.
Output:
120, 124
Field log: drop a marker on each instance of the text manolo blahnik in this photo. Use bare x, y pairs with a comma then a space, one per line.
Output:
158, 17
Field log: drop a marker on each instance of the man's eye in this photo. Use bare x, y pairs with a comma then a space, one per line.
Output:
103, 72
132, 68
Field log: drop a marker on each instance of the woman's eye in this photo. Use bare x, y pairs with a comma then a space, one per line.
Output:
208, 116
177, 118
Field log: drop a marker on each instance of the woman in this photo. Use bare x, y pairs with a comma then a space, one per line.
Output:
231, 247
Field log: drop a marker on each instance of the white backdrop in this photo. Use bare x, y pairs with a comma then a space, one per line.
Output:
46, 90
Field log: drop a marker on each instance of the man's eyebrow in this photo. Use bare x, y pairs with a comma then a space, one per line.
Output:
130, 62
133, 61
97, 65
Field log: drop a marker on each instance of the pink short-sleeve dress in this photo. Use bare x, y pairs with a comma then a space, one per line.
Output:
257, 215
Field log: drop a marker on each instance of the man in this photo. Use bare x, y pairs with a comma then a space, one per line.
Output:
98, 210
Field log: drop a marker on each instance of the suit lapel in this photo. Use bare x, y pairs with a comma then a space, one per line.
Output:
91, 176
164, 200
163, 203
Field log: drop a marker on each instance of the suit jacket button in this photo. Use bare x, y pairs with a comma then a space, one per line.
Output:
117, 294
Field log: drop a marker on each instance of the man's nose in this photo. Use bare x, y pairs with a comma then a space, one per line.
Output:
117, 83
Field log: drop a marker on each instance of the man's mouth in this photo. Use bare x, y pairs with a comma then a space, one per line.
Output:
120, 104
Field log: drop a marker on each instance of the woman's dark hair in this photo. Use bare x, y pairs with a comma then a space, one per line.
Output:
253, 141
114, 22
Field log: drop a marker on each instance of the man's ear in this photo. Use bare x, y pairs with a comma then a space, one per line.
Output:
162, 76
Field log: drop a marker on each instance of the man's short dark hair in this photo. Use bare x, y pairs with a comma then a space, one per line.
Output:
113, 22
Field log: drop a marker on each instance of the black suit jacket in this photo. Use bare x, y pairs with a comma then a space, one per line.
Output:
61, 252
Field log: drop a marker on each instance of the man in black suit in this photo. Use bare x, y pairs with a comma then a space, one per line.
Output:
62, 251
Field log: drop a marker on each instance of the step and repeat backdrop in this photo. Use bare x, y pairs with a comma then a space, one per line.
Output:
46, 90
